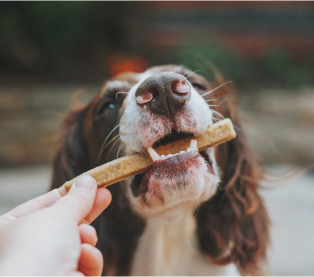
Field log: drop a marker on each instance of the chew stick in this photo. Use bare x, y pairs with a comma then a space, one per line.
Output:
125, 167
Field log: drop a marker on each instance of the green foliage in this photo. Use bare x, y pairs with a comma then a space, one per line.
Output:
62, 26
53, 26
55, 34
275, 61
280, 69
208, 58
54, 37
275, 68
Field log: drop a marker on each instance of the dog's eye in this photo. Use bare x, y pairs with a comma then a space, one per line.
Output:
198, 86
104, 107
111, 105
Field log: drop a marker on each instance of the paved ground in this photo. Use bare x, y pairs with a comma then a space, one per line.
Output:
291, 208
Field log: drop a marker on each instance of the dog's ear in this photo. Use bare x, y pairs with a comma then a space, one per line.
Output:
233, 225
71, 158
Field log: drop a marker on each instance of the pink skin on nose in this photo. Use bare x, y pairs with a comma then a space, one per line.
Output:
145, 98
180, 87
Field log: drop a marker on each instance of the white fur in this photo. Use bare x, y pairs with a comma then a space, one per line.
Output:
139, 128
169, 243
169, 247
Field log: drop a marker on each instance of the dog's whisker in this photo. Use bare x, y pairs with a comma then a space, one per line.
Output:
121, 92
184, 74
218, 185
117, 136
112, 147
215, 119
101, 149
206, 93
192, 73
217, 114
210, 100
213, 105
119, 149
237, 128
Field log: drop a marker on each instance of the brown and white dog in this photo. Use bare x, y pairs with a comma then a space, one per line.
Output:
193, 213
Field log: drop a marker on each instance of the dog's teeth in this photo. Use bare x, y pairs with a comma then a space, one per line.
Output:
193, 144
153, 154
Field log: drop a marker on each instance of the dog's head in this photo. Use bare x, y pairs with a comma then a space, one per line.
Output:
134, 112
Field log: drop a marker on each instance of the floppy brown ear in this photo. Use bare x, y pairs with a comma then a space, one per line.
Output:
71, 158
233, 225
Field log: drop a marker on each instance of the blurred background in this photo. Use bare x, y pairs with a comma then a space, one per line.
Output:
51, 50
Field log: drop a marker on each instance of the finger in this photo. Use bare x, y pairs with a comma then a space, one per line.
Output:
79, 200
33, 205
103, 199
88, 234
62, 190
91, 261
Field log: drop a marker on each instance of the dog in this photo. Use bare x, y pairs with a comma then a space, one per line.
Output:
193, 213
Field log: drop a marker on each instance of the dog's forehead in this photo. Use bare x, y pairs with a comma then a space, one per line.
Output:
112, 87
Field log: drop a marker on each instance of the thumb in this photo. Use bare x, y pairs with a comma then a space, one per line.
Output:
79, 200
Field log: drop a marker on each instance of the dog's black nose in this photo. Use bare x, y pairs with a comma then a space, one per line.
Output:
164, 93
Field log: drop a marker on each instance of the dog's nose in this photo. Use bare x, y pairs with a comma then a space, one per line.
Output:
164, 93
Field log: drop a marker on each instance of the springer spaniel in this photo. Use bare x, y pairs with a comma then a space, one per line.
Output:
197, 215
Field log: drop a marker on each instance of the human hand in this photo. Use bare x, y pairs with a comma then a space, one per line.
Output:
51, 235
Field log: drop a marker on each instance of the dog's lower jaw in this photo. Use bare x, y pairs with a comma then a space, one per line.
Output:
170, 247
161, 189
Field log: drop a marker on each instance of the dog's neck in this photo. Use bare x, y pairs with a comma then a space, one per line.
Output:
169, 246
160, 247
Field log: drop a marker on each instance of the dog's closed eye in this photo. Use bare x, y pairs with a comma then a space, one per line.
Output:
198, 86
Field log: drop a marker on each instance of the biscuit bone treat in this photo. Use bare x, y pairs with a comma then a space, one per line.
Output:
125, 167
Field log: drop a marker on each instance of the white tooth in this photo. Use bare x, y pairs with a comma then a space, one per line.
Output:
193, 144
189, 150
153, 154
182, 152
169, 156
162, 157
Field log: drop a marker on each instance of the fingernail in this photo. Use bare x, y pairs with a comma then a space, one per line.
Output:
85, 182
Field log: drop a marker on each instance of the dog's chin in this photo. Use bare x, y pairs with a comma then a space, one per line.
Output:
183, 180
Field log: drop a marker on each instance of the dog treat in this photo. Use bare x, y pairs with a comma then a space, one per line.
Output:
125, 167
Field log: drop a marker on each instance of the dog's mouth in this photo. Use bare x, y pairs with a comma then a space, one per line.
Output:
174, 135
173, 166
176, 158
176, 161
